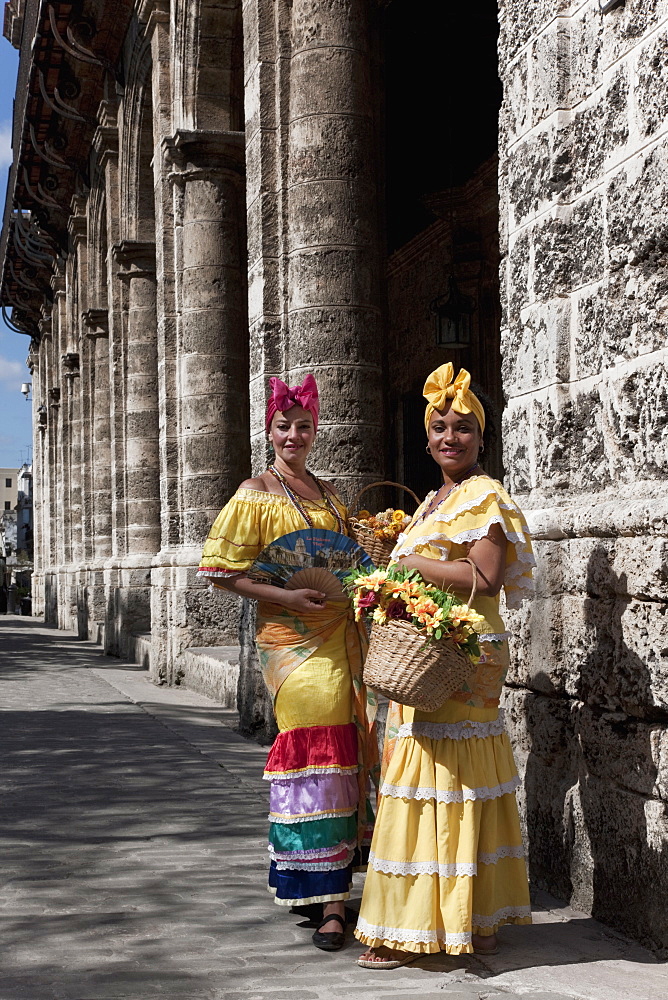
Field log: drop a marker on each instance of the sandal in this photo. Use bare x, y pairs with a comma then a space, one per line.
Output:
388, 963
332, 940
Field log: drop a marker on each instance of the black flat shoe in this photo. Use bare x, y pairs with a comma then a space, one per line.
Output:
333, 940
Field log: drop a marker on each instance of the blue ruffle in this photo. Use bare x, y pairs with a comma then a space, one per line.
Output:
297, 885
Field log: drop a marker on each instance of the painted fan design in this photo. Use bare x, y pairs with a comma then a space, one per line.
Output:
312, 558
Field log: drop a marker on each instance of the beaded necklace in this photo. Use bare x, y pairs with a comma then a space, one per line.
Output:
429, 510
295, 499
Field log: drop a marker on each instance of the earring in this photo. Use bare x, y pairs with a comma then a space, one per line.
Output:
481, 449
428, 450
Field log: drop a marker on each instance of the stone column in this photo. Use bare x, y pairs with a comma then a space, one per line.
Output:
333, 240
211, 362
96, 327
314, 248
136, 268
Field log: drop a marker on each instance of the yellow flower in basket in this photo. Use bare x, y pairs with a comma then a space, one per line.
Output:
398, 515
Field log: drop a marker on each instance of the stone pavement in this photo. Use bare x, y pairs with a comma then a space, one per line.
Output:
132, 838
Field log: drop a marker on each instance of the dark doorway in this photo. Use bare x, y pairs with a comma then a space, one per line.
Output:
442, 99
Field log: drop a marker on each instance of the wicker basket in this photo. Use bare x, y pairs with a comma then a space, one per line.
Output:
404, 669
379, 550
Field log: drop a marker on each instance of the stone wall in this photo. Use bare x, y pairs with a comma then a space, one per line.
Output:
584, 193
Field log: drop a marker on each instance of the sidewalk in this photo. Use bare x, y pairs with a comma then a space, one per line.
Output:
133, 860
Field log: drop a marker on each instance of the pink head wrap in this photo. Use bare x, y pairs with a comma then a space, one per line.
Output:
283, 398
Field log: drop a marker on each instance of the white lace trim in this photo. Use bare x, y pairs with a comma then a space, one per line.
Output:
474, 534
482, 920
404, 935
454, 730
218, 572
457, 795
307, 772
453, 870
293, 820
422, 867
423, 540
507, 851
471, 504
312, 854
325, 866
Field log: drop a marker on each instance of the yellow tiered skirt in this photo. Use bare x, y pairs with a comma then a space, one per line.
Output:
446, 859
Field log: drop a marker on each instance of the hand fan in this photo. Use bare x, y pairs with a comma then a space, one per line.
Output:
313, 558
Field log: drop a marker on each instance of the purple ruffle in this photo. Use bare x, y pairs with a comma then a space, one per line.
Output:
313, 794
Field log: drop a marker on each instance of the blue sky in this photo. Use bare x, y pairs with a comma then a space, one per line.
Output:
15, 413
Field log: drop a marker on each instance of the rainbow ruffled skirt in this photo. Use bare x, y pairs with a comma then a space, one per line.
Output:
314, 800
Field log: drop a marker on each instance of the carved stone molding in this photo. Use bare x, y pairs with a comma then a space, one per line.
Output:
70, 363
196, 154
152, 12
95, 322
54, 395
105, 139
135, 259
77, 224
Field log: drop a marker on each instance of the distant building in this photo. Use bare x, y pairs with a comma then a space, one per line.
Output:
9, 489
16, 529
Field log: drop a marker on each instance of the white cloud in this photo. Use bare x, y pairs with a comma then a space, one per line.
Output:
13, 373
6, 155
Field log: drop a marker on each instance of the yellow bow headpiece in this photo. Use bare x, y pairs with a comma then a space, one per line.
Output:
441, 387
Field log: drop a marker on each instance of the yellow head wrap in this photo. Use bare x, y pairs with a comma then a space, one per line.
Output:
441, 386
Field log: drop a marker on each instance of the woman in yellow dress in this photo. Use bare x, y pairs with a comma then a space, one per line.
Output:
311, 653
446, 866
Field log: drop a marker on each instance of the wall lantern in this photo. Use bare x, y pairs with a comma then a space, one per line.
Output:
608, 5
453, 312
25, 389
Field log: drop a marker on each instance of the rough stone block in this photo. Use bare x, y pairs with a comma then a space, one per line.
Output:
519, 22
515, 116
636, 413
535, 348
345, 276
329, 78
516, 439
324, 147
585, 54
518, 293
320, 25
333, 211
549, 68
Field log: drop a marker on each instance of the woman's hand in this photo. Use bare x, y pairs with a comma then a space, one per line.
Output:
304, 600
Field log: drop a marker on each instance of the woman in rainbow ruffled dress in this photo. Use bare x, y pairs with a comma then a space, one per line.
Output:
446, 867
311, 654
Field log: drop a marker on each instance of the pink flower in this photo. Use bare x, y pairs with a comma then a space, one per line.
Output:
368, 601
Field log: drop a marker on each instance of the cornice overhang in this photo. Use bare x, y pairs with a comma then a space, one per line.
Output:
68, 65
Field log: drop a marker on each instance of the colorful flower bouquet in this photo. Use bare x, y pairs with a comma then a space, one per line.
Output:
398, 594
424, 643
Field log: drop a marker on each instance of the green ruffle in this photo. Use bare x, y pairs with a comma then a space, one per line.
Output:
312, 834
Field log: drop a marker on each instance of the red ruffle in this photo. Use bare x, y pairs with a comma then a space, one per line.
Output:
313, 747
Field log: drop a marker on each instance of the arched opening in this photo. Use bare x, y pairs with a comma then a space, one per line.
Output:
442, 99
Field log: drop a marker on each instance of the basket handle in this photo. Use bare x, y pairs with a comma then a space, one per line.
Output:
385, 482
474, 573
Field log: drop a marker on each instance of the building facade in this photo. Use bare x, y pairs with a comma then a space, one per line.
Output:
9, 489
209, 192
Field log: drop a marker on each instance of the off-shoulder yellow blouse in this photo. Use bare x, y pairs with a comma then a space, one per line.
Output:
467, 515
250, 521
